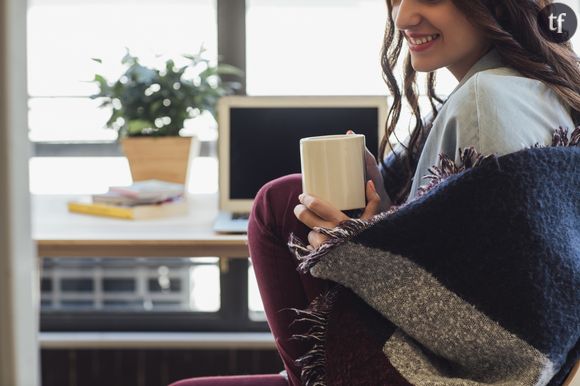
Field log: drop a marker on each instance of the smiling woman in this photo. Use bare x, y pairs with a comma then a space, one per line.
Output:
515, 88
492, 34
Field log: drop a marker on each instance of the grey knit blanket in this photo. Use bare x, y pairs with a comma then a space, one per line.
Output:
475, 282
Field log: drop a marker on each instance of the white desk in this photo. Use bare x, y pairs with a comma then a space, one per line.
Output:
59, 233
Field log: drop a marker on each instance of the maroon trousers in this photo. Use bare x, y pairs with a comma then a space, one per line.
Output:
281, 286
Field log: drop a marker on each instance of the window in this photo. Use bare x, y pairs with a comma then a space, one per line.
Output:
310, 47
63, 36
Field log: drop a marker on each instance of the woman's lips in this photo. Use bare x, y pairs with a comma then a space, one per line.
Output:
416, 44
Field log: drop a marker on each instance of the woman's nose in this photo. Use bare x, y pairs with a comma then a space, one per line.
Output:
406, 14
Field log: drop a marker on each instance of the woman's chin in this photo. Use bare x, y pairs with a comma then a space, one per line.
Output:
421, 70
422, 66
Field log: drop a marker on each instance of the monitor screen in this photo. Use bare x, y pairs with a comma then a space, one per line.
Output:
265, 141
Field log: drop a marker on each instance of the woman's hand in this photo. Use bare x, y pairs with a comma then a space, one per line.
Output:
316, 212
375, 175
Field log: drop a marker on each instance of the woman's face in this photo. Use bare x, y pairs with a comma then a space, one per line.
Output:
456, 43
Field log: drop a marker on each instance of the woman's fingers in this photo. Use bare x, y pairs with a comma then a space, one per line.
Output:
315, 239
322, 208
375, 175
373, 172
310, 219
372, 168
373, 201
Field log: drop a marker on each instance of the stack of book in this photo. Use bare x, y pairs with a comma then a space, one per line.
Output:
141, 200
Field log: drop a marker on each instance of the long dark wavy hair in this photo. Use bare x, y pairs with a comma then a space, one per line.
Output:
515, 34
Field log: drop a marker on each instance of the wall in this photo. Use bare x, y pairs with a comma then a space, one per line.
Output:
18, 280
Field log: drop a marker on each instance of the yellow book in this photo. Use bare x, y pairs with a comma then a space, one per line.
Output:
137, 212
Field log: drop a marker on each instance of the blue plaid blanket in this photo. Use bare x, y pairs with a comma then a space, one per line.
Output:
475, 282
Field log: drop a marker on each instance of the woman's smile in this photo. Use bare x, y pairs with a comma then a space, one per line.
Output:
438, 35
422, 43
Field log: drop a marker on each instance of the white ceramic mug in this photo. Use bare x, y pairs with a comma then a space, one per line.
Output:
333, 168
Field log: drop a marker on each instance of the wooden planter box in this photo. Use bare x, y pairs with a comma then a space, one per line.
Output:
161, 158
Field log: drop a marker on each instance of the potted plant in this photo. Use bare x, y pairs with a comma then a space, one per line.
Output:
149, 107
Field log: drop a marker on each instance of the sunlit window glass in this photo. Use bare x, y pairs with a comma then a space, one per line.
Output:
64, 36
307, 47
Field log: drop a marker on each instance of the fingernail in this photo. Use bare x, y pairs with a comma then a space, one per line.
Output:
373, 185
301, 197
350, 132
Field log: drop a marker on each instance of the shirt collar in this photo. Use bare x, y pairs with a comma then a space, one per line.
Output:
488, 61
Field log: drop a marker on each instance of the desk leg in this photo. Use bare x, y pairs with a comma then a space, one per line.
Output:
224, 264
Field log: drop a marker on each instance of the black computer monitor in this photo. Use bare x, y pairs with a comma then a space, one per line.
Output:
264, 142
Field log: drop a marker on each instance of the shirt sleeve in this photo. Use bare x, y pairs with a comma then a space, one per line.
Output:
505, 114
497, 112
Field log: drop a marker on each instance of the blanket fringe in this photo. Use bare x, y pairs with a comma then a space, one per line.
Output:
313, 363
560, 138
343, 232
575, 137
469, 158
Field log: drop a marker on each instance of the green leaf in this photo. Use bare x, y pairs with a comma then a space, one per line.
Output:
137, 126
227, 69
104, 104
100, 79
170, 66
143, 74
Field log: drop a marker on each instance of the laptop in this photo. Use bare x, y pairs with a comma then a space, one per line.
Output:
259, 141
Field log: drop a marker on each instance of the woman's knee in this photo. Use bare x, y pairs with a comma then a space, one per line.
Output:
275, 201
281, 187
277, 194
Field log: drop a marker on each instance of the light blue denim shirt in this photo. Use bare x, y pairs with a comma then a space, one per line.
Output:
495, 109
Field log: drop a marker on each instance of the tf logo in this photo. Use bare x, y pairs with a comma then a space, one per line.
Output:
557, 22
